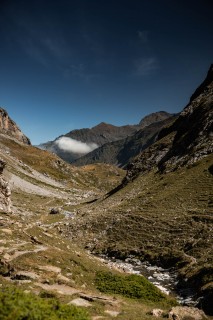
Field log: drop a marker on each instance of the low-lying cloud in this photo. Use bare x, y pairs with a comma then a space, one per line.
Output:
75, 146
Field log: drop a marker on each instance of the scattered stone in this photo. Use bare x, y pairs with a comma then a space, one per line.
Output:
7, 257
48, 235
61, 289
7, 231
35, 239
104, 299
27, 291
2, 249
27, 274
50, 268
112, 313
63, 278
181, 313
157, 313
55, 211
80, 302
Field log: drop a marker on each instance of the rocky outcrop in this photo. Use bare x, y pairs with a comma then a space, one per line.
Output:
183, 313
186, 140
5, 193
10, 128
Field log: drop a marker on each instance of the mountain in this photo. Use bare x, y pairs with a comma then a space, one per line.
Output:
120, 152
75, 236
42, 273
162, 211
80, 142
9, 127
77, 143
187, 140
153, 118
102, 133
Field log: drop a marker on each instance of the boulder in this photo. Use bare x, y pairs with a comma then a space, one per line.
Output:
157, 313
186, 313
55, 211
5, 193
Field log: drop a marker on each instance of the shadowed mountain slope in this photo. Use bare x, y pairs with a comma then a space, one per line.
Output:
162, 212
122, 151
96, 137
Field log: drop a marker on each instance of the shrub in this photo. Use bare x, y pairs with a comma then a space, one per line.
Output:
131, 286
17, 305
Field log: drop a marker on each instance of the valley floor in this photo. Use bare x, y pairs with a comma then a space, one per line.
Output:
45, 253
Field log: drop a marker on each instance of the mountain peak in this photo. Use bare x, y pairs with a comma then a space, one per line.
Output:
204, 84
154, 117
103, 125
10, 128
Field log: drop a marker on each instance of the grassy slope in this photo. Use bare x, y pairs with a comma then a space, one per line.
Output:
165, 218
31, 241
78, 270
90, 178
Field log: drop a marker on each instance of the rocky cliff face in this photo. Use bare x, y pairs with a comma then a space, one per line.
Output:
9, 127
187, 140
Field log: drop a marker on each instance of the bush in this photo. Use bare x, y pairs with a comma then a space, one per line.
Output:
131, 286
17, 305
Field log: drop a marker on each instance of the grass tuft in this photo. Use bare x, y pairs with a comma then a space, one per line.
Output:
17, 305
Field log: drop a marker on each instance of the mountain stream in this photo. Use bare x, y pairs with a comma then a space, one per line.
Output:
165, 279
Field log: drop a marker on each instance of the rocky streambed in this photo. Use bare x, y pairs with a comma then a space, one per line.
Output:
165, 279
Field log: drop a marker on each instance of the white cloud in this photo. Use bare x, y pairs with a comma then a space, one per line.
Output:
145, 66
75, 146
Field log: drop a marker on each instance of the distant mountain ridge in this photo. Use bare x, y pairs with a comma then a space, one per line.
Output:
99, 135
153, 118
120, 152
9, 127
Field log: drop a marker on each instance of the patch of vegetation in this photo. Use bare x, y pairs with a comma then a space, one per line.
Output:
17, 305
130, 286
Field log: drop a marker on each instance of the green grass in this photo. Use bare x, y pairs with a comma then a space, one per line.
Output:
130, 286
17, 305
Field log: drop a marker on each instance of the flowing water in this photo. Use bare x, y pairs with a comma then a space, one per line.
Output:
165, 279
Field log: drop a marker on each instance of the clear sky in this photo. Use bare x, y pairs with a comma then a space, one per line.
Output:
69, 64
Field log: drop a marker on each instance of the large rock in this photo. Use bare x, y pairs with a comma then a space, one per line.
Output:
184, 313
5, 193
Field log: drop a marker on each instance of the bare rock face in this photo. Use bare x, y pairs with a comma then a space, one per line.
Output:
188, 139
9, 127
5, 193
153, 118
183, 313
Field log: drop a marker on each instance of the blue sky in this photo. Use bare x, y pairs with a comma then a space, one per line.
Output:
67, 64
